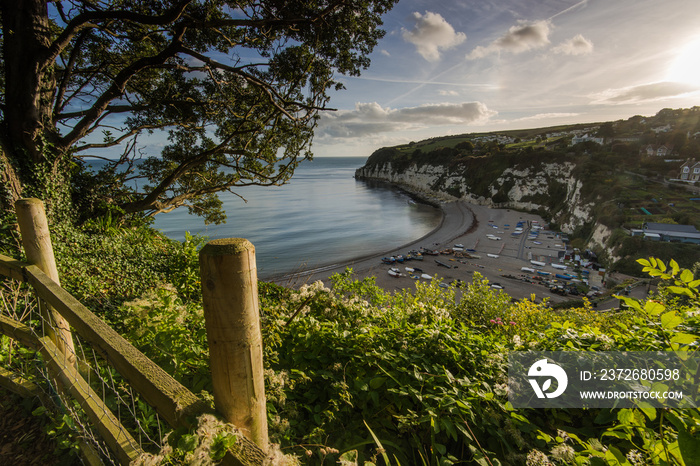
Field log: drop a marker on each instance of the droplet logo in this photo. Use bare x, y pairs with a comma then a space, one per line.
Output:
541, 369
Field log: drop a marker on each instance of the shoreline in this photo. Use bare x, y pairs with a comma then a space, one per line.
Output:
500, 261
457, 220
294, 279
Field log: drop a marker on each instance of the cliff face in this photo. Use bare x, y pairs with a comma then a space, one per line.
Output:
550, 188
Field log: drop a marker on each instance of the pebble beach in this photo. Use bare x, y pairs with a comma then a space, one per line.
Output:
497, 244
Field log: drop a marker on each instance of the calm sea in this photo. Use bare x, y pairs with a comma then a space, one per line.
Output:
322, 216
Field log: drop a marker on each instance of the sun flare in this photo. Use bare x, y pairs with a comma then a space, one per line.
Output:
686, 67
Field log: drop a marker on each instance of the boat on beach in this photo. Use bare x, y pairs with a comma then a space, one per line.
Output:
394, 272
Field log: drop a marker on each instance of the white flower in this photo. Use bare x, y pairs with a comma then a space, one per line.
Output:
537, 458
563, 454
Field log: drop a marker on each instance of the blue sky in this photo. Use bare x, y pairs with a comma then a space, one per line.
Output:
485, 65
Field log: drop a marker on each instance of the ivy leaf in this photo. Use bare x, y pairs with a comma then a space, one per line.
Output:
680, 290
647, 409
670, 320
684, 338
687, 276
674, 267
660, 264
654, 308
644, 262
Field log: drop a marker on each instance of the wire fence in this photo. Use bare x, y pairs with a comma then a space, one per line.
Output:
103, 391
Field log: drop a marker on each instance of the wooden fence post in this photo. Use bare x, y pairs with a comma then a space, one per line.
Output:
230, 297
36, 240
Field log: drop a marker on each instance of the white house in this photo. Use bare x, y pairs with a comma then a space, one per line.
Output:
690, 171
662, 129
662, 150
586, 137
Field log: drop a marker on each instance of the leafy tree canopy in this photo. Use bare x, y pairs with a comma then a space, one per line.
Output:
236, 85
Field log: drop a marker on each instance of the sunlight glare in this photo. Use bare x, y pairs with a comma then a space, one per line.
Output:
686, 67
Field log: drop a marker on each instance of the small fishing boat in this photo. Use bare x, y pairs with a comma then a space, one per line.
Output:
426, 276
493, 256
559, 266
563, 276
442, 264
389, 260
527, 269
394, 272
543, 273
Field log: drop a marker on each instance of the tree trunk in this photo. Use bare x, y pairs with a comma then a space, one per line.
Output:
32, 156
29, 81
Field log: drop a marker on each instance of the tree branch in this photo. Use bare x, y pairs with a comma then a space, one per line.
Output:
93, 18
117, 88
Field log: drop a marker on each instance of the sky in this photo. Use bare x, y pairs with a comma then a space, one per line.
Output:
486, 65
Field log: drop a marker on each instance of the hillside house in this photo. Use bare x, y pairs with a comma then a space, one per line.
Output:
653, 150
661, 129
586, 137
669, 233
690, 171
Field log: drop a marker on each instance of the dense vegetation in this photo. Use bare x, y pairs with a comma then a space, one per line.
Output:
356, 374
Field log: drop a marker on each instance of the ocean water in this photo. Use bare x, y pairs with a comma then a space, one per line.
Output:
322, 216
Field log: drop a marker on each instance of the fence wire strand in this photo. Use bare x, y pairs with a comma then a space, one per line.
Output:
135, 416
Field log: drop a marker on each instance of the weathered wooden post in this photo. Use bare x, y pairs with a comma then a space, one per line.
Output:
230, 297
36, 239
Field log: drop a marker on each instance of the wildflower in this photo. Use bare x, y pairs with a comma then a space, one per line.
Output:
537, 458
563, 454
512, 323
636, 457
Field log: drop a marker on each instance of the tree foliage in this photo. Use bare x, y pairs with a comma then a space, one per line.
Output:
237, 87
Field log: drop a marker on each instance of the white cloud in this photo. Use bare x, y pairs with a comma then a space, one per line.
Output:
371, 118
548, 116
520, 38
431, 34
644, 93
577, 45
448, 93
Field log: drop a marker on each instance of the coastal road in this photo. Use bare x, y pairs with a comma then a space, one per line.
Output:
457, 220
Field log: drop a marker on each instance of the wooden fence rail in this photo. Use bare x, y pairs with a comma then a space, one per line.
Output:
174, 402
